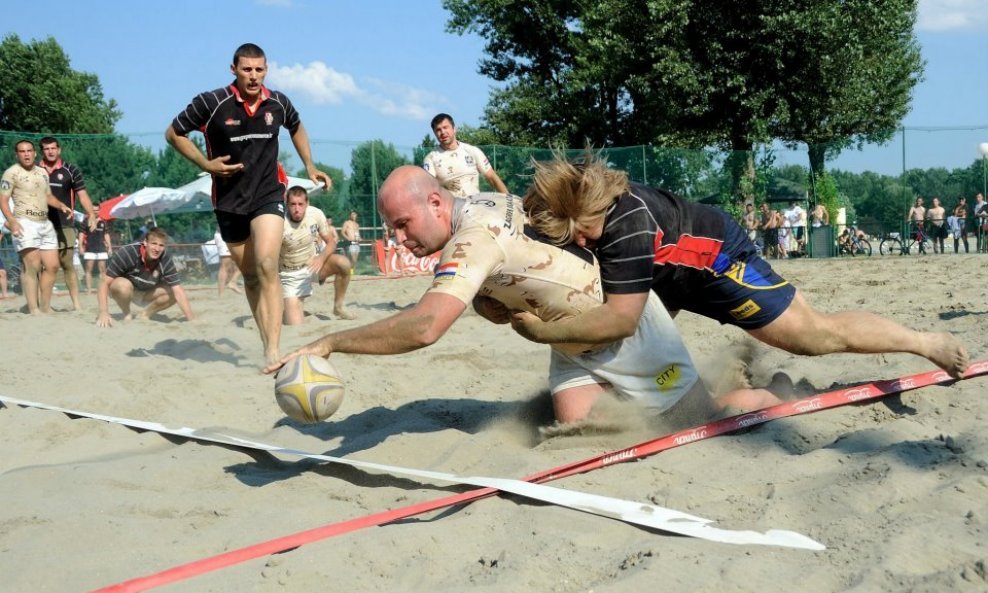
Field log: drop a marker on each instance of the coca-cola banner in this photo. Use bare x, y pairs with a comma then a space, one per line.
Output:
398, 261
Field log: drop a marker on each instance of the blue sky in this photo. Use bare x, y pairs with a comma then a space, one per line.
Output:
382, 68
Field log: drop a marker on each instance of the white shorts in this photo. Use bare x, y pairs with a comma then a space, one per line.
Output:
90, 256
652, 366
296, 283
36, 235
354, 248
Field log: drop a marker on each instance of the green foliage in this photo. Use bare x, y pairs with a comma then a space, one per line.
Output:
370, 163
39, 91
692, 73
335, 203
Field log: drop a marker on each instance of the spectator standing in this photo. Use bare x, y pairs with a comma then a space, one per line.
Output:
351, 239
936, 217
960, 212
981, 221
916, 217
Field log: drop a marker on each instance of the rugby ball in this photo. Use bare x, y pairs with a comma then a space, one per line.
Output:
308, 388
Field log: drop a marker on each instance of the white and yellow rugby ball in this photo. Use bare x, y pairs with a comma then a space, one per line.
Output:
308, 388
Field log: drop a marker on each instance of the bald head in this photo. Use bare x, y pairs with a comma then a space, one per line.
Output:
407, 182
419, 210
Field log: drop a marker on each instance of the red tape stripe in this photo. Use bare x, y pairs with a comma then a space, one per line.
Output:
806, 405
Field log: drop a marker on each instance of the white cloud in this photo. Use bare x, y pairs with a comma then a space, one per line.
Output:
323, 84
946, 15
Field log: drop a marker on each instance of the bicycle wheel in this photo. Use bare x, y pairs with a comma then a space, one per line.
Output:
862, 248
920, 247
890, 246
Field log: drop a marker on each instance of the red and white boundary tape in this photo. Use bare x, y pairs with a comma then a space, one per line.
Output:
810, 404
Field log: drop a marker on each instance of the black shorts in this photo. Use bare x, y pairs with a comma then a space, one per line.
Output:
938, 232
744, 291
235, 228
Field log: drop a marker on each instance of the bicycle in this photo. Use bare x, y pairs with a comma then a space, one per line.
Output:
916, 244
853, 243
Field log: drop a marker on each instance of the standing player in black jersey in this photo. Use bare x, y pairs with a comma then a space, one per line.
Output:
694, 257
66, 184
241, 123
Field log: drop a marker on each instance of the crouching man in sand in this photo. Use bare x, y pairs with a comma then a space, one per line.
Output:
145, 268
490, 259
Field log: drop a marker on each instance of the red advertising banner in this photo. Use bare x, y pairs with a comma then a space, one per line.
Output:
398, 261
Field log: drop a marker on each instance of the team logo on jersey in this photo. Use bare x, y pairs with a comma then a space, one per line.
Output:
746, 310
268, 118
668, 378
232, 122
281, 208
468, 160
61, 177
4, 185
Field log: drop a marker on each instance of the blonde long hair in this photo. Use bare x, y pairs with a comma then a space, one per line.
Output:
566, 195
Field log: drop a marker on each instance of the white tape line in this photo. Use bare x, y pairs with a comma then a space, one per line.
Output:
644, 514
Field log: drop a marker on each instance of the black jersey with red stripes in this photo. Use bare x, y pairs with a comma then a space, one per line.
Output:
65, 181
248, 137
652, 237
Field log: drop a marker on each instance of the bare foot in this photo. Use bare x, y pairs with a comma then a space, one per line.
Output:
948, 353
344, 313
234, 288
127, 317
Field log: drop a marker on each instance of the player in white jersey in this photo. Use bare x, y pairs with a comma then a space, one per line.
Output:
301, 262
458, 165
488, 256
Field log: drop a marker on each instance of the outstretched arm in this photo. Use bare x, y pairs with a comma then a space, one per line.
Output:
409, 330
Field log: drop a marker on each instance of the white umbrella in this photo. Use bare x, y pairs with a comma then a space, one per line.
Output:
153, 200
203, 185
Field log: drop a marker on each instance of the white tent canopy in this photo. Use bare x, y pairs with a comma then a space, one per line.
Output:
195, 196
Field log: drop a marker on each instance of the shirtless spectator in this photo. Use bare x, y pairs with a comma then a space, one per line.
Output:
351, 239
961, 214
750, 222
770, 231
916, 219
301, 262
936, 217
146, 270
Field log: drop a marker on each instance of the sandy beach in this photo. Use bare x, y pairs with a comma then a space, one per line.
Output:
897, 490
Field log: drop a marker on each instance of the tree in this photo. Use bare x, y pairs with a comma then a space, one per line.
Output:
40, 92
334, 203
370, 163
856, 69
691, 73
